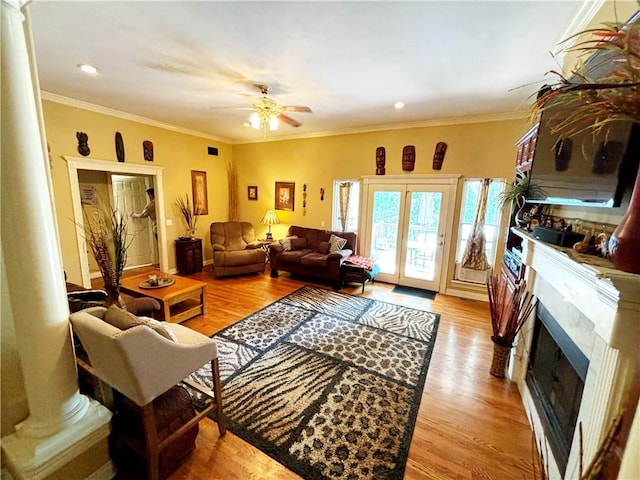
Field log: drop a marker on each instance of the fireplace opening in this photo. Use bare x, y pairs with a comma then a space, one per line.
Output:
556, 374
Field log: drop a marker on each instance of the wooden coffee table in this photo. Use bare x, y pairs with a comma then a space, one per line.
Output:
183, 299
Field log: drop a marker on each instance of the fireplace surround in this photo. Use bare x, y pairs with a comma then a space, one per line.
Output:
597, 307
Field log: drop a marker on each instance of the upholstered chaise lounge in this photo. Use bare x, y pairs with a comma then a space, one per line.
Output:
235, 249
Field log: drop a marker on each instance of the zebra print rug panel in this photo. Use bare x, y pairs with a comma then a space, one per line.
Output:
327, 384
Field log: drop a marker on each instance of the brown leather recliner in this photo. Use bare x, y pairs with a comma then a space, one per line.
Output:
235, 249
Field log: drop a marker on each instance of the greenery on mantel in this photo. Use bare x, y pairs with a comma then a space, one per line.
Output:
584, 104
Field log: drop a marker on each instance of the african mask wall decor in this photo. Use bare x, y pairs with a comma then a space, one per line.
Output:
408, 158
380, 160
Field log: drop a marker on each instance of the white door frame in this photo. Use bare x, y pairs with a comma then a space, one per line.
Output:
378, 180
78, 163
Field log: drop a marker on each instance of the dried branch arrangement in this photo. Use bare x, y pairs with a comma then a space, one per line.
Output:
106, 234
190, 212
581, 103
509, 309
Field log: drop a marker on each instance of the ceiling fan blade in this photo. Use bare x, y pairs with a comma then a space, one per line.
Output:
289, 120
295, 108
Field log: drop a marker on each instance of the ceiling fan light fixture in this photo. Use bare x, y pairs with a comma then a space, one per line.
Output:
254, 120
273, 123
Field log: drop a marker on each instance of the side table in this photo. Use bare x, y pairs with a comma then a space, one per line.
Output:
189, 255
357, 273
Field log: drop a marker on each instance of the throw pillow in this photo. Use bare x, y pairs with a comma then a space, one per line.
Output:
323, 247
298, 243
286, 242
124, 320
336, 243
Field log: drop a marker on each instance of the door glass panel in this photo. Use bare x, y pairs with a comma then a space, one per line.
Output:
384, 234
422, 235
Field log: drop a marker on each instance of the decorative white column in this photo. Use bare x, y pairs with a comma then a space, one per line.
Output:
60, 420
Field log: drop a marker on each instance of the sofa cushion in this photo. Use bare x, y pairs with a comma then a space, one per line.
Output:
239, 258
323, 247
336, 243
293, 256
314, 259
286, 242
298, 243
124, 320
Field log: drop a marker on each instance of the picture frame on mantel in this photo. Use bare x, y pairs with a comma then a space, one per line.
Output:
252, 192
285, 196
199, 191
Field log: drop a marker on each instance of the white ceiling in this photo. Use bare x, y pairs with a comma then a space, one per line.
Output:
188, 64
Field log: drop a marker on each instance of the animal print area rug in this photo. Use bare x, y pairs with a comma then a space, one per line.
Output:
327, 384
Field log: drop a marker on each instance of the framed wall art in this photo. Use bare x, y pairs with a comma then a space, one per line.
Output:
199, 191
252, 192
285, 196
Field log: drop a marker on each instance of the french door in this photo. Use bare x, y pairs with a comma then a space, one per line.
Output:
407, 228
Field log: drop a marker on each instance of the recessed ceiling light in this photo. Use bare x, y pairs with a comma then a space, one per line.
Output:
398, 105
86, 68
246, 124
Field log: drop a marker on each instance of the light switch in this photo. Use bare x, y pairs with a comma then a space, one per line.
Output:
169, 222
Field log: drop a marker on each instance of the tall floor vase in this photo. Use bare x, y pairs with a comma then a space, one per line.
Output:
624, 244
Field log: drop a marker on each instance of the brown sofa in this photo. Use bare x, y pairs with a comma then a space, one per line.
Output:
309, 255
235, 249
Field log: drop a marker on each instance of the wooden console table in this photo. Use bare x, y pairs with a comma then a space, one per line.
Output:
180, 301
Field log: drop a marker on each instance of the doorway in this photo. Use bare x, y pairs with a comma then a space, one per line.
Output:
407, 226
155, 173
129, 193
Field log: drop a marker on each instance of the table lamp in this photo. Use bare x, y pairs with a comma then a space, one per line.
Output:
270, 218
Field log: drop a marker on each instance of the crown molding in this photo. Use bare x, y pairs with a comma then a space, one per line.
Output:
496, 117
587, 12
72, 102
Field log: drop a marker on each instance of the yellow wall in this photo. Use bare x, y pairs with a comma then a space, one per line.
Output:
178, 153
474, 150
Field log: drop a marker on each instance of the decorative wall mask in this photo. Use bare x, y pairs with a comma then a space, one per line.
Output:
438, 156
408, 158
380, 160
304, 199
147, 150
83, 144
119, 147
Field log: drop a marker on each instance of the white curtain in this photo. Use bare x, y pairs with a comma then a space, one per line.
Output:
345, 193
475, 256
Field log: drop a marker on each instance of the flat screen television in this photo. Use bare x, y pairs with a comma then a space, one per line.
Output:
585, 170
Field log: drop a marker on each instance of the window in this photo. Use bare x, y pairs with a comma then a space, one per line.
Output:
354, 206
470, 193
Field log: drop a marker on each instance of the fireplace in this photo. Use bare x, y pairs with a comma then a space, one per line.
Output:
575, 359
556, 375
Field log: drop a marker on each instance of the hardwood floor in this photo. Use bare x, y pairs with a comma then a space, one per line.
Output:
470, 425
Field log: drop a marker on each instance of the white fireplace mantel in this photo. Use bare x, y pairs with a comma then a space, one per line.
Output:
598, 307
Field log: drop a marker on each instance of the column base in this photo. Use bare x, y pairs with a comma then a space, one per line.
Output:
39, 458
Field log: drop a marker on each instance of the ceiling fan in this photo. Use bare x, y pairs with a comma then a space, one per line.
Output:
267, 113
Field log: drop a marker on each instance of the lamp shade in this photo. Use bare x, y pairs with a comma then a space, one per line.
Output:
270, 218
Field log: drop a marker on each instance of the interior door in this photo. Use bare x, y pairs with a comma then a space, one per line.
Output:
405, 232
129, 193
